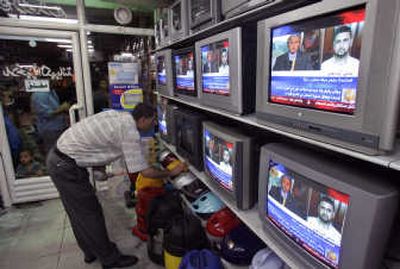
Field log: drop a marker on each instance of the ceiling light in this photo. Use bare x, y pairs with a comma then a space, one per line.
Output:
46, 19
65, 46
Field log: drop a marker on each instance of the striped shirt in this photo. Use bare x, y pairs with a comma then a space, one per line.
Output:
102, 138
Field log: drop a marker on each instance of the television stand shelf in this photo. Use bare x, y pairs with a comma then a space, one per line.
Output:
249, 217
390, 161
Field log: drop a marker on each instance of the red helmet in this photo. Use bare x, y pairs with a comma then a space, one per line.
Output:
222, 222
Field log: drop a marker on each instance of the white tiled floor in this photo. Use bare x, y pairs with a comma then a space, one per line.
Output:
39, 236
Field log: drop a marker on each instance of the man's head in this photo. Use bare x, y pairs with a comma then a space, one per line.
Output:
224, 57
144, 115
226, 157
326, 210
209, 56
25, 157
293, 43
342, 41
286, 183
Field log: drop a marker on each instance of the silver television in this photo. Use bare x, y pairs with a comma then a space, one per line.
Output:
225, 70
179, 24
330, 72
203, 13
184, 74
164, 81
324, 213
231, 163
231, 8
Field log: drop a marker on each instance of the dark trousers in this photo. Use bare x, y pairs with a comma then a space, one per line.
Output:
82, 207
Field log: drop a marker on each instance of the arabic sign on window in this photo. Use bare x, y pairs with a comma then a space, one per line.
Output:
37, 85
123, 73
34, 71
36, 8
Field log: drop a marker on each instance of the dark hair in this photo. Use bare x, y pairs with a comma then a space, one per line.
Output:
143, 110
327, 200
343, 29
26, 150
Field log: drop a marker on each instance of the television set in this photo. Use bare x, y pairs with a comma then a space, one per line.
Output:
164, 24
164, 81
324, 213
329, 72
179, 25
166, 120
184, 74
203, 13
231, 163
188, 126
231, 8
226, 71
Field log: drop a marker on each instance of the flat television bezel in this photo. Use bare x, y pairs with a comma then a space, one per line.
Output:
185, 95
196, 119
372, 127
233, 102
243, 176
164, 40
206, 19
363, 245
176, 35
169, 88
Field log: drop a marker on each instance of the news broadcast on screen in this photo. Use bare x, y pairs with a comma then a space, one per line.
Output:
215, 68
184, 71
161, 71
218, 159
315, 63
311, 214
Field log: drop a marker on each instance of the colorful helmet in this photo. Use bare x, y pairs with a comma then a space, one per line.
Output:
207, 203
222, 222
193, 190
183, 180
147, 182
266, 258
184, 234
240, 245
201, 259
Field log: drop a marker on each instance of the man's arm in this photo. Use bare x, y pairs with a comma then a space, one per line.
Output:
153, 172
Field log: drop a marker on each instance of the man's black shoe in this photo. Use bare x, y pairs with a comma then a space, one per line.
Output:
123, 261
89, 259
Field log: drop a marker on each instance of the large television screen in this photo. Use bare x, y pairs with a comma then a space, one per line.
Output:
315, 63
311, 214
218, 159
184, 71
161, 70
188, 138
215, 68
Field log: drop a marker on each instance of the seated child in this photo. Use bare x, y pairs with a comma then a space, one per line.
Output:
27, 166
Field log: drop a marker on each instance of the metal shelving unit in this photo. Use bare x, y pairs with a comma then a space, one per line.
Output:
249, 217
390, 161
253, 15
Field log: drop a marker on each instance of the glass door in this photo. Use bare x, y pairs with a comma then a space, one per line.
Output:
40, 85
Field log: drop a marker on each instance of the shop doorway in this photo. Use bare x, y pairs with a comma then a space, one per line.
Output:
41, 93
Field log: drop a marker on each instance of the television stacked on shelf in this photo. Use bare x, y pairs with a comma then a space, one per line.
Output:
179, 25
324, 213
231, 161
203, 14
162, 26
184, 74
164, 82
188, 133
225, 68
329, 72
231, 8
166, 120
